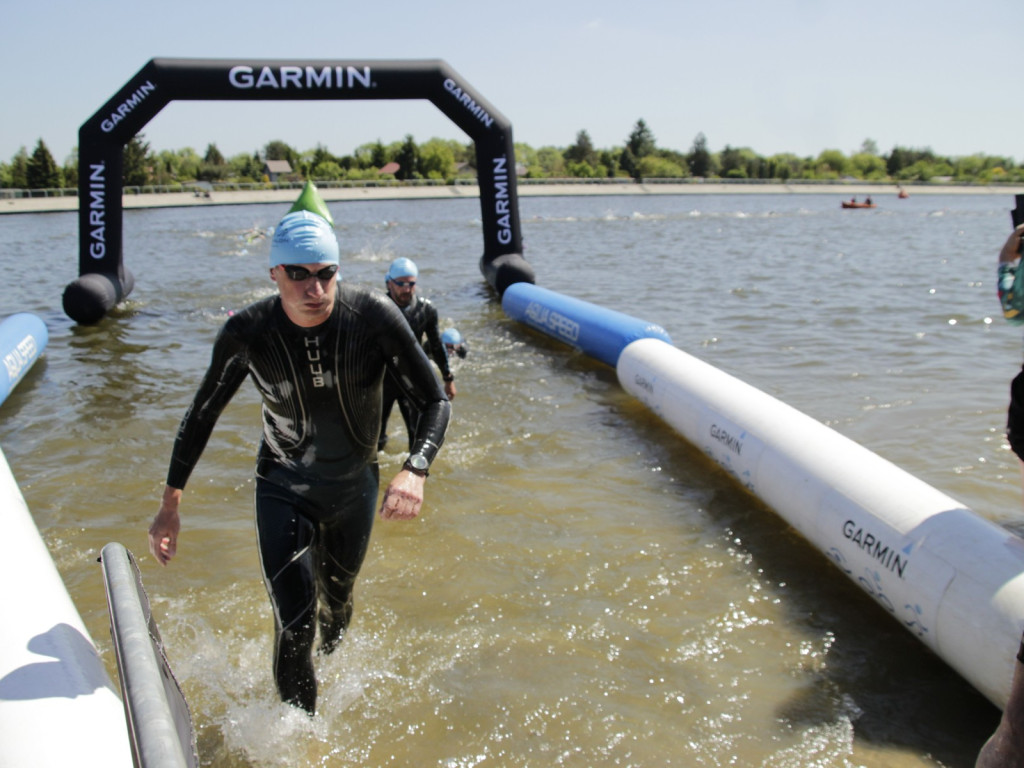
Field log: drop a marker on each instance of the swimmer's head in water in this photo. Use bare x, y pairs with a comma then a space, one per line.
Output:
302, 237
402, 267
453, 342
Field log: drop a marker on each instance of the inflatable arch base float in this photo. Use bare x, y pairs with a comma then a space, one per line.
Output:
951, 578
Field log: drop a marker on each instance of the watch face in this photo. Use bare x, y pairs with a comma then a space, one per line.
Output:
417, 462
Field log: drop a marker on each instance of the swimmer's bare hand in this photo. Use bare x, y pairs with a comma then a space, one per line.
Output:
403, 497
163, 531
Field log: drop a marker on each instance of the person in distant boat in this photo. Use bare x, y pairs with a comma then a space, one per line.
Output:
853, 199
318, 351
1005, 748
400, 282
867, 200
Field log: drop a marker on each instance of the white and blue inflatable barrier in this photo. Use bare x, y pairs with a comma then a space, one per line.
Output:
58, 706
599, 333
951, 578
23, 337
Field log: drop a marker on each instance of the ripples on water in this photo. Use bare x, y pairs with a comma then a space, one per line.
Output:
583, 588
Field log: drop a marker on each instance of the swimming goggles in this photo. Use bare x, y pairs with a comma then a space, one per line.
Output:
298, 274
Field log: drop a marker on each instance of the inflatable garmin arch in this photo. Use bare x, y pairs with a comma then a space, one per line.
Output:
103, 279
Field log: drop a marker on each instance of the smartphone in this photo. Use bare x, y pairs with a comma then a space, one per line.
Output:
1017, 214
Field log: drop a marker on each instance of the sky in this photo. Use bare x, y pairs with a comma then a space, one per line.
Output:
799, 76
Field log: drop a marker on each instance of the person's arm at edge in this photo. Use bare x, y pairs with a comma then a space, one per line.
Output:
222, 380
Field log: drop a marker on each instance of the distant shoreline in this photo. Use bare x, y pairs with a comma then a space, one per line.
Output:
555, 189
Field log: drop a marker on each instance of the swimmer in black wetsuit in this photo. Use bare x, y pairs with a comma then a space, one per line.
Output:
317, 352
400, 282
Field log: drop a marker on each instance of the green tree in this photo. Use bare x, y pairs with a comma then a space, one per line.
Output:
70, 169
785, 166
609, 163
869, 147
628, 163
580, 170
868, 166
379, 155
136, 162
19, 170
245, 167
582, 151
214, 166
641, 140
551, 163
699, 159
320, 156
437, 159
408, 159
279, 150
188, 163
657, 167
327, 170
831, 164
733, 164
526, 156
902, 157
42, 171
213, 156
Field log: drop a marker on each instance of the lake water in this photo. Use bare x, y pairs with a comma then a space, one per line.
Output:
583, 588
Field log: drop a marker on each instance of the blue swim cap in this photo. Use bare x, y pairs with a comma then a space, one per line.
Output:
402, 267
451, 336
302, 237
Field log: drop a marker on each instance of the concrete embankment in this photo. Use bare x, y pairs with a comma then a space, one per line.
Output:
426, 192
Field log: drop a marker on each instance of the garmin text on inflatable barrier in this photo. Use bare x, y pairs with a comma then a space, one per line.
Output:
885, 555
727, 439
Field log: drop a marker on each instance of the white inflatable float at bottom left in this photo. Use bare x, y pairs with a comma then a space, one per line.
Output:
58, 706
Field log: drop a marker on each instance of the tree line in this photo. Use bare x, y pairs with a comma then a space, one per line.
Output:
447, 160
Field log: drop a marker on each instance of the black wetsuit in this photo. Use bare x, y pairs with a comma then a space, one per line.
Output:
422, 318
316, 472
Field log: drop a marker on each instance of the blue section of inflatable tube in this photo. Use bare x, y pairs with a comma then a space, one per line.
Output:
23, 337
598, 332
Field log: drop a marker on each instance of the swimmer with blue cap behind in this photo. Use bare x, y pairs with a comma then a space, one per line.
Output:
454, 344
400, 282
318, 352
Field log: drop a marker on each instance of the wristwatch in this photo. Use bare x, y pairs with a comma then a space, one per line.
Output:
417, 464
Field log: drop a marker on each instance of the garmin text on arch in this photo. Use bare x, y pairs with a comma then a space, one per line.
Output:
468, 102
138, 96
335, 77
